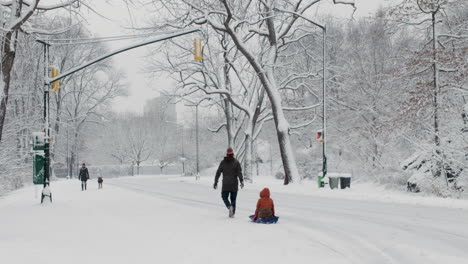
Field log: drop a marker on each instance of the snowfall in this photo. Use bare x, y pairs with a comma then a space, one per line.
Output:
173, 219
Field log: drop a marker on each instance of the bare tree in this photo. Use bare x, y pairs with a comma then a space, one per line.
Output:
251, 25
15, 18
436, 74
138, 140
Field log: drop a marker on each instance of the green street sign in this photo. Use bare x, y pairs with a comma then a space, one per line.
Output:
38, 141
38, 168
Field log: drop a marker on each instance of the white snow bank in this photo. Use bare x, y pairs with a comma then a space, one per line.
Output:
358, 191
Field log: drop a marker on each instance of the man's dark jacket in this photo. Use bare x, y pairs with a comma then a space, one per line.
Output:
84, 174
231, 169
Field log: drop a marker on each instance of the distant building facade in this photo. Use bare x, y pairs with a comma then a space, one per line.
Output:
160, 109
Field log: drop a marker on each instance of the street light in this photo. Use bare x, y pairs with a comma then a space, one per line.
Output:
183, 152
68, 151
196, 104
324, 134
197, 177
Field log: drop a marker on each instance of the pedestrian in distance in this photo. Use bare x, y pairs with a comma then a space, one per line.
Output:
100, 181
231, 169
83, 176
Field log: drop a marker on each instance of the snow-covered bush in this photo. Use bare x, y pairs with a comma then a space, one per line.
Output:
431, 175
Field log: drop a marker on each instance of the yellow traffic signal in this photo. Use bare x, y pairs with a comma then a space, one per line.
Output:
54, 72
197, 49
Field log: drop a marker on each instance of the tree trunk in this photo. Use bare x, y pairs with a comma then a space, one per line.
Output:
227, 104
8, 58
70, 163
248, 154
268, 81
249, 136
228, 114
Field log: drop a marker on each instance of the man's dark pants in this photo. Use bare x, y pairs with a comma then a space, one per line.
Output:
225, 195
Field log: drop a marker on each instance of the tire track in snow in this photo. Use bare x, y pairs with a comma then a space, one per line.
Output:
330, 245
343, 223
141, 188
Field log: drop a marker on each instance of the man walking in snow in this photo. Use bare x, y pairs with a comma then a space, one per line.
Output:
84, 176
232, 171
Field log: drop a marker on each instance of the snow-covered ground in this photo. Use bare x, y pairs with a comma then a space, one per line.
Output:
163, 219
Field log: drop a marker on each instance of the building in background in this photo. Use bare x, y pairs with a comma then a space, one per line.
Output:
161, 109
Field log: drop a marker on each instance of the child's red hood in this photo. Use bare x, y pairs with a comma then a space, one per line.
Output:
265, 193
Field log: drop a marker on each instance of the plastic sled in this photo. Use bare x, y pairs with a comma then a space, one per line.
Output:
269, 220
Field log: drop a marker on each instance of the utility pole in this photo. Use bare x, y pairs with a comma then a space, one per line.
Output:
51, 80
183, 150
46, 100
324, 103
68, 154
198, 143
196, 104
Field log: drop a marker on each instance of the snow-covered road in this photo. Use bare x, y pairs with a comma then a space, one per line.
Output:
156, 219
341, 230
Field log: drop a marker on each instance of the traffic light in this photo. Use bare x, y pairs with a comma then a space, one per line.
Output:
319, 136
54, 72
197, 49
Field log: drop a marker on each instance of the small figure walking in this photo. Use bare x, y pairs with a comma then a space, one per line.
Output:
84, 176
232, 175
100, 181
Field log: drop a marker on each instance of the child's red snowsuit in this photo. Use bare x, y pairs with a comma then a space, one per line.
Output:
265, 206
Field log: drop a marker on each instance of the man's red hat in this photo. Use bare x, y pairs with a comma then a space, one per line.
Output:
229, 151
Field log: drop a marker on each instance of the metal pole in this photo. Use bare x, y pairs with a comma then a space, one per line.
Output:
324, 156
133, 46
436, 85
197, 146
68, 153
77, 157
46, 117
183, 152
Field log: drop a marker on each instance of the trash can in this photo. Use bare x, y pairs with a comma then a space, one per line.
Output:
345, 181
333, 182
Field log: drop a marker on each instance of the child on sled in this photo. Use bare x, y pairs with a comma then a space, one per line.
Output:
265, 211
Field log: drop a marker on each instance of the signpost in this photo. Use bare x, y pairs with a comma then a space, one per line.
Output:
38, 157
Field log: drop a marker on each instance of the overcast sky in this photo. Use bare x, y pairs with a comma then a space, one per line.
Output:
116, 18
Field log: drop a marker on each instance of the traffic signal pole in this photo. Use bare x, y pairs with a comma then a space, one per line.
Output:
46, 180
110, 54
50, 80
46, 116
324, 123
